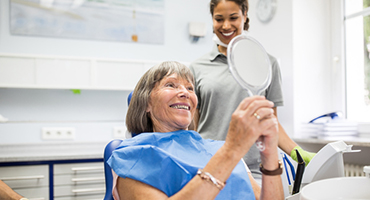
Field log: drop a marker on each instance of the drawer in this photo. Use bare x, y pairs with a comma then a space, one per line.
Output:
25, 176
41, 193
81, 197
79, 190
79, 179
79, 168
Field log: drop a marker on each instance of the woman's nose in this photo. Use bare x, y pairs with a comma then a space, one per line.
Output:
226, 24
183, 92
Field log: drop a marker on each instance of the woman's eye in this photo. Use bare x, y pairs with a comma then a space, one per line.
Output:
234, 18
218, 20
170, 85
191, 88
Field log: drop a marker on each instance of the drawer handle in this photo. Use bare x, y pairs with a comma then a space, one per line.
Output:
22, 178
88, 190
88, 179
86, 168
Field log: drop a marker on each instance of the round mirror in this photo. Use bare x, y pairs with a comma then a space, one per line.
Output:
249, 64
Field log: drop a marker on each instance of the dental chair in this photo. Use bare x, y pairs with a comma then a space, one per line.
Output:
112, 145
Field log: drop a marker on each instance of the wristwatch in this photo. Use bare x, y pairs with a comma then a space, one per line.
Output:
277, 171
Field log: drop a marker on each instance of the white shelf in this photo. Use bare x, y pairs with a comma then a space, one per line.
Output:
56, 72
362, 141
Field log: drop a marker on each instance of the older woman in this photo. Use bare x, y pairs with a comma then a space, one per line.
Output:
166, 161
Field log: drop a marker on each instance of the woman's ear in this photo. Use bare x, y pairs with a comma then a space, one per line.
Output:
148, 108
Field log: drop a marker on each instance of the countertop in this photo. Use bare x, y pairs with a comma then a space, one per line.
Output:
51, 151
95, 150
362, 141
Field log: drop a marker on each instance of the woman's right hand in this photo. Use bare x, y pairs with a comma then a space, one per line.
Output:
245, 128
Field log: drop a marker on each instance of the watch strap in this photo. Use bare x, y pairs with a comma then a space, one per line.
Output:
277, 171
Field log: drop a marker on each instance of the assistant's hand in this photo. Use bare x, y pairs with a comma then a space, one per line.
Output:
245, 127
307, 156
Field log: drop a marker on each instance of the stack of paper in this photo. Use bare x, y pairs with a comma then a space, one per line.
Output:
335, 127
311, 129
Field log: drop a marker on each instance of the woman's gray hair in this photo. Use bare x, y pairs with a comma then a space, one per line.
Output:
137, 119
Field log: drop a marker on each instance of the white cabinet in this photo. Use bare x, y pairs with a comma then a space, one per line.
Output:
79, 181
31, 181
55, 72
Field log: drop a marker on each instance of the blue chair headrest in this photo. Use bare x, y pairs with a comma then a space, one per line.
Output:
129, 98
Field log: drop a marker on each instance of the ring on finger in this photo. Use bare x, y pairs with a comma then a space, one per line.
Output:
257, 116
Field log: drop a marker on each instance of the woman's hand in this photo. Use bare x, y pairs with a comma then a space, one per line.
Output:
254, 118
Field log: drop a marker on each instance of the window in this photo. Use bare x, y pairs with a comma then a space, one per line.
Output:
357, 48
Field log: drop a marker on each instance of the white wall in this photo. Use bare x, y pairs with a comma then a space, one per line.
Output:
299, 36
92, 113
276, 37
314, 93
177, 45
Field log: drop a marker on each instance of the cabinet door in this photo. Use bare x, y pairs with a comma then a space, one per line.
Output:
31, 181
85, 197
31, 71
41, 193
79, 181
79, 168
80, 190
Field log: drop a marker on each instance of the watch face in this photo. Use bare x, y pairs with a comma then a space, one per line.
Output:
266, 10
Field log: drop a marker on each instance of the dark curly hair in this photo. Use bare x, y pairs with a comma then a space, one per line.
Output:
243, 5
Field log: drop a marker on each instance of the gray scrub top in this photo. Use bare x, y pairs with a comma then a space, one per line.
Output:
219, 95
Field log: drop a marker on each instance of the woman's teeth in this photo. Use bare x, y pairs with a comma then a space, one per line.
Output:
227, 34
181, 107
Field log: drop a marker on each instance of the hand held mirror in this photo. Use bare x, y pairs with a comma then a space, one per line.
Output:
250, 66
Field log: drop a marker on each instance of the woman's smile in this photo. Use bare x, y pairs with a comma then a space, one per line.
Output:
181, 106
228, 34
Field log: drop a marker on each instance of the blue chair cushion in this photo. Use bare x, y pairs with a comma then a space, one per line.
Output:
107, 170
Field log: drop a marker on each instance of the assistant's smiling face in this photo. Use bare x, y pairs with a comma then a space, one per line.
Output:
228, 20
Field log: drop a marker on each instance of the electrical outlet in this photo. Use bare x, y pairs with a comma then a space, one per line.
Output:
119, 132
58, 133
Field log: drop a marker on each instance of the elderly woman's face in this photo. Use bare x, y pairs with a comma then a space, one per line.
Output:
172, 104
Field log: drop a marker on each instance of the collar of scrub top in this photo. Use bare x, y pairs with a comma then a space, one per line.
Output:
215, 54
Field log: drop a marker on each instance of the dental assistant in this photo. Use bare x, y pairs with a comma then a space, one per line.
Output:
219, 94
